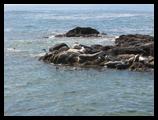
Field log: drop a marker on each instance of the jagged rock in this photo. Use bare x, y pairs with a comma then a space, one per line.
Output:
133, 40
134, 52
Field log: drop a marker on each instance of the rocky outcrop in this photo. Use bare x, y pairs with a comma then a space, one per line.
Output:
137, 44
133, 52
133, 40
81, 32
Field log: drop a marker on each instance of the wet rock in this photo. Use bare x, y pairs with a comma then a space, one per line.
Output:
138, 66
133, 52
151, 58
113, 64
66, 58
60, 35
58, 46
148, 48
125, 56
150, 64
126, 50
108, 47
133, 40
82, 31
97, 47
46, 57
111, 58
122, 66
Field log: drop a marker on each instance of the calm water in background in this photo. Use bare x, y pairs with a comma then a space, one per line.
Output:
32, 87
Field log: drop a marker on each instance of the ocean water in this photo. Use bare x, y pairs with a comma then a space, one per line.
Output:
32, 87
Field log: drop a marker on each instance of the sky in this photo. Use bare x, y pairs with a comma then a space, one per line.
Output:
138, 7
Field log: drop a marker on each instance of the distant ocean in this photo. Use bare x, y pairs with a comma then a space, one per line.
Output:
32, 87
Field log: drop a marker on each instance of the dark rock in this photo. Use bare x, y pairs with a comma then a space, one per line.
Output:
126, 50
138, 66
45, 37
97, 47
122, 66
41, 58
148, 48
58, 46
108, 47
135, 52
103, 33
134, 40
60, 35
111, 58
46, 57
125, 56
150, 64
82, 31
112, 64
65, 58
64, 48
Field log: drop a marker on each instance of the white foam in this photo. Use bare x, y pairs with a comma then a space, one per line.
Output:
52, 36
37, 55
116, 37
13, 50
84, 16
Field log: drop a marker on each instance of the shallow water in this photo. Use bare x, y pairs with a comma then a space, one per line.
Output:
32, 87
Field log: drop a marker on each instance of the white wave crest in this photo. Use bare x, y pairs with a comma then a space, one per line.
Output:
85, 16
116, 37
13, 50
52, 36
37, 55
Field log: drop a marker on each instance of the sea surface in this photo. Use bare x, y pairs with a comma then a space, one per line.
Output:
32, 87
